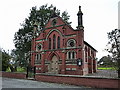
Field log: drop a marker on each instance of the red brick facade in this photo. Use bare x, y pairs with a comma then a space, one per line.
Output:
59, 49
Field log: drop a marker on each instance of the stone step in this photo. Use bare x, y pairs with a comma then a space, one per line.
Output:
30, 78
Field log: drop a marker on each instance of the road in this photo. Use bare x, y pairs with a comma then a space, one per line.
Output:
21, 83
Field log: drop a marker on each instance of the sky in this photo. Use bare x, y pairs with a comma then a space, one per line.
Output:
99, 18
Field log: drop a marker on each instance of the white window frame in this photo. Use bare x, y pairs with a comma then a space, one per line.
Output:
68, 42
38, 58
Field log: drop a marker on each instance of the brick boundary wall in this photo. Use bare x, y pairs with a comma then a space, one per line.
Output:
14, 75
94, 82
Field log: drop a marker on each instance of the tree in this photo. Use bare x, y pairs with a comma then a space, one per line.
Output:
14, 60
22, 38
5, 60
114, 47
65, 17
106, 61
0, 59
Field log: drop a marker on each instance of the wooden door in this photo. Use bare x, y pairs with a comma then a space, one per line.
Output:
54, 67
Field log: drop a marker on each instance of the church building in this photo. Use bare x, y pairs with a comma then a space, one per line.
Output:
60, 49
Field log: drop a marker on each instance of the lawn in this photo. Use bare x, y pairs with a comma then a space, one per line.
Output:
106, 68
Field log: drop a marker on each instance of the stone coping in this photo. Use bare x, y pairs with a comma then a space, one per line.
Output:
77, 76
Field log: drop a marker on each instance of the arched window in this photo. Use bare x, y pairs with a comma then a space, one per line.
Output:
58, 42
38, 58
86, 54
54, 41
38, 47
49, 43
71, 43
69, 55
73, 55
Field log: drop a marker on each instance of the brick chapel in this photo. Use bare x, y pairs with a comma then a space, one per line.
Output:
60, 49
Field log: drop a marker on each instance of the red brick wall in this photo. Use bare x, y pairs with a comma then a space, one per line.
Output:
81, 81
74, 80
14, 75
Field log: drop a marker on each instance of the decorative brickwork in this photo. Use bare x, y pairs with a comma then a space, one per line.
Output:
67, 45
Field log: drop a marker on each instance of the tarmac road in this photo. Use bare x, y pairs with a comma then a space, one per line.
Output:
21, 83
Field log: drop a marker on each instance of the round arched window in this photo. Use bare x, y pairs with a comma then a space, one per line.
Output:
54, 22
71, 43
39, 47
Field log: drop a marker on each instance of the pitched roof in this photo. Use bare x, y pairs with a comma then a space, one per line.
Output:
90, 46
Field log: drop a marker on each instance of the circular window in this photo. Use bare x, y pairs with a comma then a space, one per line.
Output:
39, 47
71, 43
54, 22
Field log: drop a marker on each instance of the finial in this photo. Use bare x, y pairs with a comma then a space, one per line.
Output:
79, 8
79, 14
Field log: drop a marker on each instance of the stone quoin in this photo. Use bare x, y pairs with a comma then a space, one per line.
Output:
60, 49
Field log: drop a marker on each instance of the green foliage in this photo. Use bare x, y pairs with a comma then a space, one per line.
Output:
114, 47
8, 69
66, 17
106, 61
114, 42
31, 74
22, 38
5, 60
106, 68
19, 69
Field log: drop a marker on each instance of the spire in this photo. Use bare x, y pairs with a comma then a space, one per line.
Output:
79, 14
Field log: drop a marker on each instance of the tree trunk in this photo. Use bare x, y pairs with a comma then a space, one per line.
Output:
12, 69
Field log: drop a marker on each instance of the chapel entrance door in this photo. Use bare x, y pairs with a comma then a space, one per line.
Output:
54, 67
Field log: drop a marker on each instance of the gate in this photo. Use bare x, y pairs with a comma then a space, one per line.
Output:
31, 72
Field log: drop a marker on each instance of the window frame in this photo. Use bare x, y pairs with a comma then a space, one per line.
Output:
58, 42
71, 55
49, 43
38, 58
39, 44
54, 41
69, 41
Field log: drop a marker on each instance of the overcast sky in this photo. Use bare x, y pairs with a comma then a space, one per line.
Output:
99, 17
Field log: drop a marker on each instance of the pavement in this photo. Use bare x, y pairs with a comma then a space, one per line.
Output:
7, 83
21, 83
